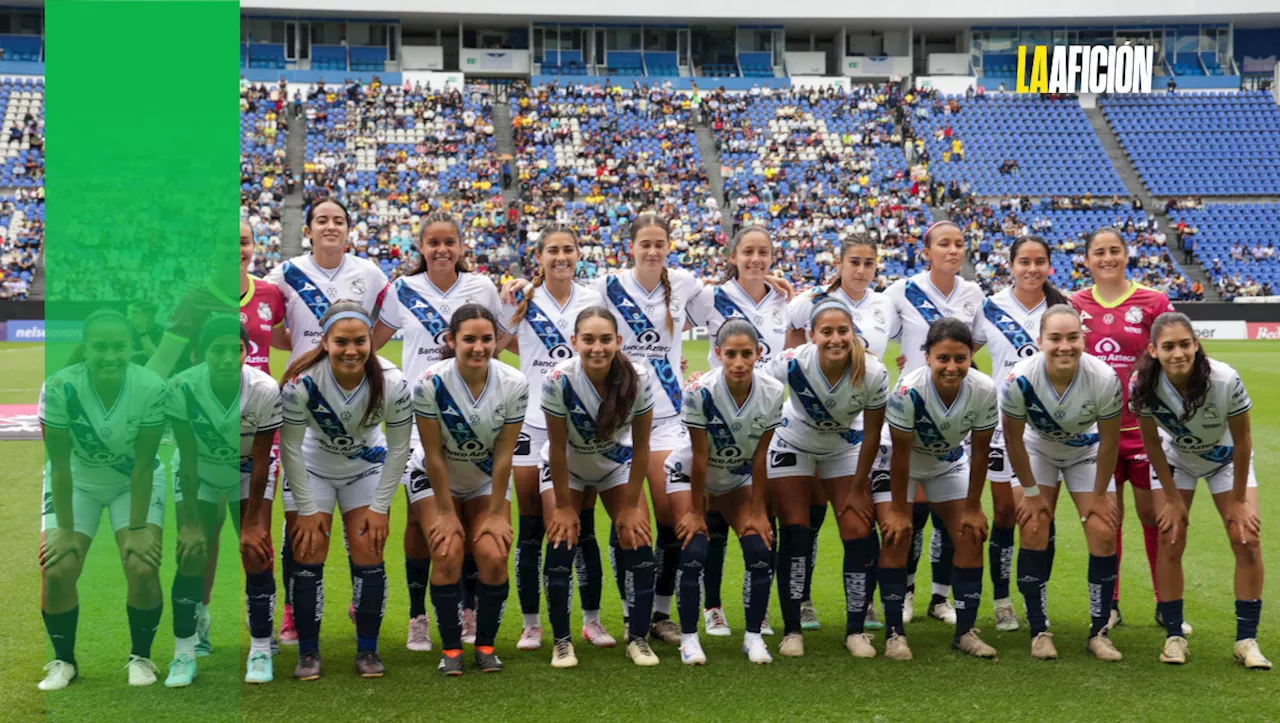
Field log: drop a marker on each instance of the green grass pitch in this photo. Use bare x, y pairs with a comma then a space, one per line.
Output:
827, 684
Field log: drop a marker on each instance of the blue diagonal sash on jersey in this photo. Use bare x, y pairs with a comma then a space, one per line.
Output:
455, 422
205, 429
586, 426
1220, 454
920, 300
310, 294
87, 436
1018, 337
718, 428
425, 313
332, 426
803, 391
639, 323
543, 327
928, 432
1043, 421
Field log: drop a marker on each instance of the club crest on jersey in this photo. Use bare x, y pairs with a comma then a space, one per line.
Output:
1088, 410
357, 287
264, 311
776, 317
1133, 315
1210, 411
969, 419
1108, 318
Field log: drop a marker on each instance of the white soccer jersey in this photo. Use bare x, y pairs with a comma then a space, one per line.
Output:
733, 432
337, 444
1009, 331
470, 426
309, 291
220, 446
422, 311
1061, 428
715, 305
1201, 444
819, 417
919, 303
567, 393
544, 338
940, 430
874, 317
642, 322
103, 438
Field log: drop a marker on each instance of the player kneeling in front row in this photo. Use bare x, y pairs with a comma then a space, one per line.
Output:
731, 413
930, 412
599, 409
102, 419
336, 398
1072, 401
1194, 416
219, 408
469, 411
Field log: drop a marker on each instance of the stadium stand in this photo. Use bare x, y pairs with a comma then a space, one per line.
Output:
24, 48
1236, 244
1198, 143
396, 153
1051, 141
22, 170
814, 166
21, 235
264, 177
597, 158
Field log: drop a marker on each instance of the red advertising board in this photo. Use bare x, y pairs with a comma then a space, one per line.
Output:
1267, 330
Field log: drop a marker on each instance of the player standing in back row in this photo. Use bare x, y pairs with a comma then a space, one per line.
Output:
1117, 315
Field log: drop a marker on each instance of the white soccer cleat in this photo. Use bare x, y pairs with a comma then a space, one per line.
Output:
1174, 651
530, 639
595, 633
641, 654
943, 611
971, 644
859, 645
756, 649
562, 655
765, 628
908, 607
59, 674
142, 671
469, 627
716, 624
896, 648
258, 668
792, 646
419, 634
691, 651
1248, 654
1006, 618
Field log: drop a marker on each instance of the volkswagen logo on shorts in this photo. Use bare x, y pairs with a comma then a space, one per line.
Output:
471, 446
649, 336
560, 352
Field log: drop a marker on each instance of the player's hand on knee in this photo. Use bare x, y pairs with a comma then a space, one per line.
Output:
690, 525
192, 546
255, 542
498, 528
309, 533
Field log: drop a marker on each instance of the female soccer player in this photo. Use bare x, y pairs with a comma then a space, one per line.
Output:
102, 419
310, 284
469, 408
831, 433
261, 307
1181, 396
216, 407
599, 410
1072, 404
651, 301
1117, 315
875, 321
931, 411
1009, 326
921, 300
420, 303
539, 323
731, 413
747, 294
336, 399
